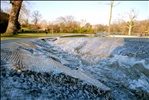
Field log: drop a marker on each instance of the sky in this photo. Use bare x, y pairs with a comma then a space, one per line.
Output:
94, 12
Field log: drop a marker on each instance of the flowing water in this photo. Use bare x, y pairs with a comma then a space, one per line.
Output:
120, 64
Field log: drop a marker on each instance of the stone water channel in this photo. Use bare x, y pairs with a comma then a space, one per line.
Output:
75, 69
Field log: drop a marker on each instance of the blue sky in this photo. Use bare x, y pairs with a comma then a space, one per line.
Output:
93, 12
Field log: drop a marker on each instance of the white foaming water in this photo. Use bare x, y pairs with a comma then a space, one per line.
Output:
127, 70
86, 59
128, 61
142, 83
130, 72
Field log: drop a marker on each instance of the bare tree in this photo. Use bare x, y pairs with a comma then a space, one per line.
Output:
131, 15
67, 20
13, 18
43, 24
5, 6
82, 22
111, 7
88, 25
66, 23
24, 12
36, 17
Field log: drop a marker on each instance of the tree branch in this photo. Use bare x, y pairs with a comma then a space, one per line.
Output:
116, 4
12, 2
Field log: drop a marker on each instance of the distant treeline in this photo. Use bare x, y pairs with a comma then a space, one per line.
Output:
68, 24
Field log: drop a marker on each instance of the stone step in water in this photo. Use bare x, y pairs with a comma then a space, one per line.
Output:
22, 57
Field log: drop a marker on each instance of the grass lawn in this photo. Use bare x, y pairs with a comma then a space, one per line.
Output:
30, 35
70, 35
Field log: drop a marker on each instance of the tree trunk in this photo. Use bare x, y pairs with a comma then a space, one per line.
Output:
130, 27
13, 17
111, 6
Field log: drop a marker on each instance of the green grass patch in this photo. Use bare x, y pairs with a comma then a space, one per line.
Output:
24, 28
29, 35
38, 35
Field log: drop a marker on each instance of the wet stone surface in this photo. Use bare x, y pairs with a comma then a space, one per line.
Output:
33, 85
124, 71
25, 75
